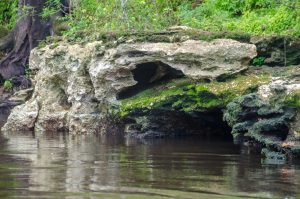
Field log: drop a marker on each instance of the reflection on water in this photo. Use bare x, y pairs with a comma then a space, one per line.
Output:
64, 166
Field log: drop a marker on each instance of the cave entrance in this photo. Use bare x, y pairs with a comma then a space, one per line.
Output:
149, 74
163, 123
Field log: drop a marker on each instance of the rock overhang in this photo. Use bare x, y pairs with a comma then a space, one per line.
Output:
88, 78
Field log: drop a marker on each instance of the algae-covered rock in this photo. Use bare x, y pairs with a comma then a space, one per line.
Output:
186, 96
252, 116
74, 85
182, 107
270, 116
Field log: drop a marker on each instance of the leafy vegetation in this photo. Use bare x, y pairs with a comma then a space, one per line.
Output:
259, 61
7, 85
90, 16
257, 17
8, 14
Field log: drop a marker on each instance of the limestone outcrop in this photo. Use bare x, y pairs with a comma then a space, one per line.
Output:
278, 51
74, 85
8, 101
270, 116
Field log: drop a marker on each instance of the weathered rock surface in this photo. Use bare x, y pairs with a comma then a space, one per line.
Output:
75, 84
8, 101
268, 116
278, 51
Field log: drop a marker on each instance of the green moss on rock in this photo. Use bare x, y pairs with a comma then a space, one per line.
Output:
114, 38
187, 96
266, 123
293, 99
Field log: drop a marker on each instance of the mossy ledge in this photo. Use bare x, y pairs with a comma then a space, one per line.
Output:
174, 34
183, 107
269, 125
293, 99
269, 118
188, 96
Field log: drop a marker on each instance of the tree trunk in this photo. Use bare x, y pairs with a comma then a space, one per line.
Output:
7, 42
124, 7
29, 31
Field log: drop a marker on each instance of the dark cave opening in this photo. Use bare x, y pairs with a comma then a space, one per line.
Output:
211, 125
148, 75
161, 123
170, 123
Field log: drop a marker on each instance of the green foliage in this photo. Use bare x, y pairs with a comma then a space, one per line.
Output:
111, 15
8, 13
28, 72
51, 7
258, 17
259, 61
7, 85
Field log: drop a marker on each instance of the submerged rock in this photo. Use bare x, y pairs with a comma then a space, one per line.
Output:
271, 157
75, 85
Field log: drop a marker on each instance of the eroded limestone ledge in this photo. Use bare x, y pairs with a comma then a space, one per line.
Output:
74, 84
270, 116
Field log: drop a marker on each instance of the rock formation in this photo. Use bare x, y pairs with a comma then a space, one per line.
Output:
270, 116
74, 85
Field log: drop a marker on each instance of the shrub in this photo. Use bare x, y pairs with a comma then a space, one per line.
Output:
258, 17
259, 61
7, 85
8, 13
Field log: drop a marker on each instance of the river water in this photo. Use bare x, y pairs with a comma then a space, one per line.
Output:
91, 166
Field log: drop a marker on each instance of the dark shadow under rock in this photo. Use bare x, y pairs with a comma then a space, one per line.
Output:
149, 74
254, 119
159, 123
278, 51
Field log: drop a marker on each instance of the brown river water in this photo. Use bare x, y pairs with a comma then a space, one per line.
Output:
91, 166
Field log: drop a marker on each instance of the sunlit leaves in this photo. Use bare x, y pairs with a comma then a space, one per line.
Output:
8, 13
259, 17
